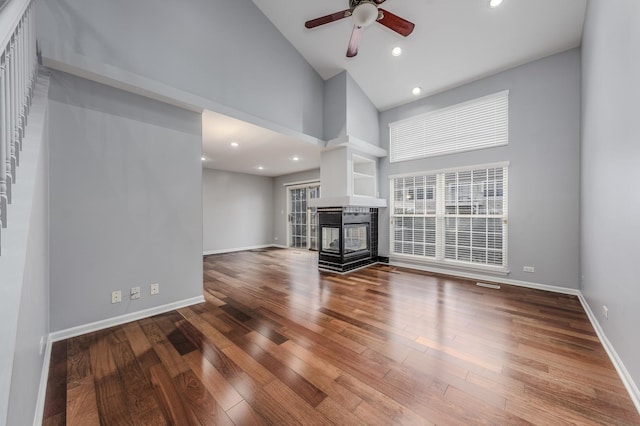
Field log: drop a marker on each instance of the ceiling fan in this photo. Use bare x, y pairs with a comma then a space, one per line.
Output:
364, 13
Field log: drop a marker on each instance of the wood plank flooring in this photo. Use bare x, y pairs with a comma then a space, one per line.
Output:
278, 342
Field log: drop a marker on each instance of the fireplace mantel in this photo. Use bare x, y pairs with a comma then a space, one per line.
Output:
348, 200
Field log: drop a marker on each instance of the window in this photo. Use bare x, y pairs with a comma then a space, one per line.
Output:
465, 223
480, 123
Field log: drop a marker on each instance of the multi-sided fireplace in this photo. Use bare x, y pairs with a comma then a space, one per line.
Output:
347, 211
348, 237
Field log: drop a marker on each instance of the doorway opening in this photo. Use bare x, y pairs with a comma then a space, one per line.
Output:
302, 226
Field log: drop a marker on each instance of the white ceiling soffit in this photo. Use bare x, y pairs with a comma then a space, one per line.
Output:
256, 147
454, 41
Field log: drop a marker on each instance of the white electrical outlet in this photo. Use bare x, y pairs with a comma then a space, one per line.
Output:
135, 293
605, 311
529, 269
155, 289
116, 296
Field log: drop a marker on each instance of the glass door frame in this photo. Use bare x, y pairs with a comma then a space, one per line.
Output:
308, 186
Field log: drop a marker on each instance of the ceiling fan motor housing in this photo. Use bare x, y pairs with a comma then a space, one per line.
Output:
365, 13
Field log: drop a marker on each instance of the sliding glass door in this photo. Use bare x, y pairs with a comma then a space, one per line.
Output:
302, 229
312, 219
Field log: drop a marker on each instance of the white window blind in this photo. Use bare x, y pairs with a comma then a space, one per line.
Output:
476, 124
454, 217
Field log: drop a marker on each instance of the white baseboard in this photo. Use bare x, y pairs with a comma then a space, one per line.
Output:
91, 327
626, 378
479, 277
231, 250
44, 379
122, 319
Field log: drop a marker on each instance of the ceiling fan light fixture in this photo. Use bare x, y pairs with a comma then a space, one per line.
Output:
364, 14
494, 3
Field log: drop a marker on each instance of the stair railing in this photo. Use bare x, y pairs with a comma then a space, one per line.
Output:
18, 71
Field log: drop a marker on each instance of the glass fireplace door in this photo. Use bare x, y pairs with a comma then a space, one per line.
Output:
331, 239
356, 238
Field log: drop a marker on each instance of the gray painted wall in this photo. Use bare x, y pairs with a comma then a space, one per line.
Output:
348, 111
610, 172
280, 201
362, 115
125, 201
238, 210
543, 151
335, 106
213, 56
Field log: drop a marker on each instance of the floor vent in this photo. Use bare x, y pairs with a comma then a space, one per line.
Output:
493, 286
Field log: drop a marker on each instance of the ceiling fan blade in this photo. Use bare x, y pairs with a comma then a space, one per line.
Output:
326, 19
396, 23
354, 42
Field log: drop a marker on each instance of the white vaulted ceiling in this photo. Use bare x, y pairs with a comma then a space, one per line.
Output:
454, 42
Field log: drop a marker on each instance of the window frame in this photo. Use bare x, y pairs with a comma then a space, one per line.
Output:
441, 216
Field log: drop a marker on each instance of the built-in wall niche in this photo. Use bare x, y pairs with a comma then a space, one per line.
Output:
363, 174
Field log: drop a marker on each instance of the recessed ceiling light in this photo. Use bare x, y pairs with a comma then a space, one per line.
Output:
234, 144
396, 51
416, 91
260, 168
296, 158
495, 3
203, 158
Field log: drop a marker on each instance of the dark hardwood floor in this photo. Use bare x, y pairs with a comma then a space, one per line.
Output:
278, 342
